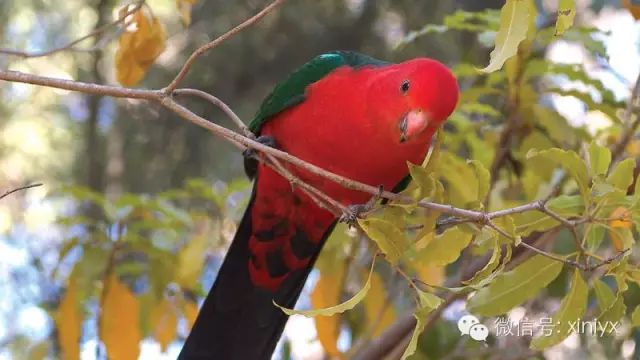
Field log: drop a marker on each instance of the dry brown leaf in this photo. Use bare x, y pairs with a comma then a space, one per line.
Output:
633, 9
138, 47
68, 321
621, 220
120, 321
164, 322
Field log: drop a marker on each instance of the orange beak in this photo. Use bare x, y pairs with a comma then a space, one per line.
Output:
413, 123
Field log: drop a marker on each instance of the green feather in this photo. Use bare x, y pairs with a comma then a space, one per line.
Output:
292, 91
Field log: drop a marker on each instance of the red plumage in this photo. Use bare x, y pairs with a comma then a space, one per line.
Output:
364, 123
349, 125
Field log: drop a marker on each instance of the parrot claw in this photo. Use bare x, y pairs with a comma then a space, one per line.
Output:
250, 153
360, 211
250, 161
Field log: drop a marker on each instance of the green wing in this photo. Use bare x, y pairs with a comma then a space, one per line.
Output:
292, 91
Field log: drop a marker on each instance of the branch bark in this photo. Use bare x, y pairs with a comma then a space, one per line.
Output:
632, 126
9, 192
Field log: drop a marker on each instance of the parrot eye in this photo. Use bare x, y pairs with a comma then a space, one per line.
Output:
404, 87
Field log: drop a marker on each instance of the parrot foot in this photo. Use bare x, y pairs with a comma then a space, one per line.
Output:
264, 140
360, 211
250, 160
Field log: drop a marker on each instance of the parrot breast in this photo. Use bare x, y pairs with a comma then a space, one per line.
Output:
348, 125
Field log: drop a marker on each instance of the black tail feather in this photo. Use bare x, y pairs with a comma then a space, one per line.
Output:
238, 321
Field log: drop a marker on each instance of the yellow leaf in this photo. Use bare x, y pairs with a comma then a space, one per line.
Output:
633, 9
427, 302
619, 226
571, 309
326, 293
379, 311
190, 312
149, 41
68, 321
39, 351
430, 274
336, 309
389, 238
138, 47
184, 9
164, 322
119, 321
566, 14
445, 248
192, 257
633, 148
514, 20
128, 71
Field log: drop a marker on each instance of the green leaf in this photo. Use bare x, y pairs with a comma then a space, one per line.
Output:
425, 181
514, 20
599, 158
488, 268
595, 235
484, 178
571, 162
460, 178
566, 13
512, 288
635, 317
567, 205
476, 21
611, 305
427, 302
530, 221
497, 272
337, 309
446, 247
390, 239
622, 175
506, 224
571, 309
586, 97
431, 162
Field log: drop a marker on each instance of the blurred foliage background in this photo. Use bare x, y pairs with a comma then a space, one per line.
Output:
138, 207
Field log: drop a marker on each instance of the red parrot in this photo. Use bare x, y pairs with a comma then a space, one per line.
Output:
345, 112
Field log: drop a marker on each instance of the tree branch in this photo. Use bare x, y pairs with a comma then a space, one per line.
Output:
219, 104
204, 48
627, 135
9, 192
165, 97
243, 142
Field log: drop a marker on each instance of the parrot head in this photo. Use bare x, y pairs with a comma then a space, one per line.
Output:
416, 96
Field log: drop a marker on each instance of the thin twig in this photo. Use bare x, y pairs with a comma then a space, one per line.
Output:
220, 104
571, 225
492, 225
9, 192
243, 142
319, 197
84, 87
399, 334
204, 48
70, 46
627, 135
